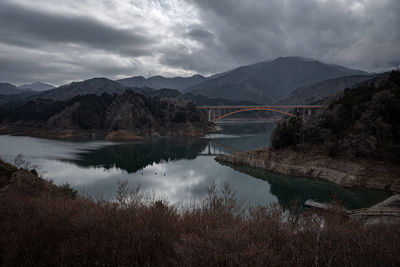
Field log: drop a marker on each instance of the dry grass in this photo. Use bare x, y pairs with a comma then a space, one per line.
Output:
135, 231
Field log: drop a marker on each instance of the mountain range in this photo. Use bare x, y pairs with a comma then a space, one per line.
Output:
287, 80
98, 86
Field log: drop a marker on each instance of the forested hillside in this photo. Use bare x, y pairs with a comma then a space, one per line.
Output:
102, 115
360, 122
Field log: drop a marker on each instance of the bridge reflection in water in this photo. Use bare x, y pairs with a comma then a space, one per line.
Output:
215, 148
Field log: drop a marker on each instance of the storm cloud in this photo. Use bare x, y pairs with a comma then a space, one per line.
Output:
61, 41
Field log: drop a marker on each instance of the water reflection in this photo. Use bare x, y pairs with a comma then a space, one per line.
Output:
173, 168
132, 157
288, 189
246, 136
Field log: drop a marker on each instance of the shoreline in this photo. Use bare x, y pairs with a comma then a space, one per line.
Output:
344, 172
99, 134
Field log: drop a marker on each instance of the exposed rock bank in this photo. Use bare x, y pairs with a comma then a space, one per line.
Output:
312, 163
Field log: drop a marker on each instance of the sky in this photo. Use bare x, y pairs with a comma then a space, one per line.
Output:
58, 41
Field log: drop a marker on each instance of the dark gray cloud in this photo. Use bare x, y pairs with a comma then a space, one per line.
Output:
360, 34
29, 27
72, 40
196, 32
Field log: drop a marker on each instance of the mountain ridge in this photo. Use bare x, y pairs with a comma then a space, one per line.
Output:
265, 82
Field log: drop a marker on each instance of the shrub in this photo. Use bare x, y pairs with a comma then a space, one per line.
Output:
137, 230
67, 190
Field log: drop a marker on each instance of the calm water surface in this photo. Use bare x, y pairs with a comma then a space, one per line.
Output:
178, 169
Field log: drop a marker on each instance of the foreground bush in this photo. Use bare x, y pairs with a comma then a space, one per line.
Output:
138, 231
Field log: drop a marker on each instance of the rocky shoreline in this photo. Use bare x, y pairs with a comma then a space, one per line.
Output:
313, 163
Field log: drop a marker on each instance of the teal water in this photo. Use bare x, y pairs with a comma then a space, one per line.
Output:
177, 169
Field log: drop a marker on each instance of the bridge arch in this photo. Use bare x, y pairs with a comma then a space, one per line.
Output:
253, 109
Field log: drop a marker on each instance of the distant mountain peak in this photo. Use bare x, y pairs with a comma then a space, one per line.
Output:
37, 86
270, 81
97, 85
295, 58
96, 79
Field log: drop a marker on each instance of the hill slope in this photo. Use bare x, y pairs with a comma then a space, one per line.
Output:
267, 82
321, 90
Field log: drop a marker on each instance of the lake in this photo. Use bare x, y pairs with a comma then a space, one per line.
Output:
177, 169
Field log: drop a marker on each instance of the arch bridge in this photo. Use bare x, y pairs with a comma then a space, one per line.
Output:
216, 113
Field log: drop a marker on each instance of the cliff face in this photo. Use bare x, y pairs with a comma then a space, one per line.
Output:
128, 116
312, 163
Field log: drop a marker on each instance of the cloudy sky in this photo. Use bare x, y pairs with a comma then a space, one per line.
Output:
58, 41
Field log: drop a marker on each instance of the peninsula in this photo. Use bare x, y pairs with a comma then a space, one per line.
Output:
353, 141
